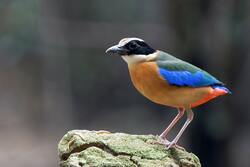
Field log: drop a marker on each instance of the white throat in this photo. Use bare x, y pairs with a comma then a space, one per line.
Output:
133, 59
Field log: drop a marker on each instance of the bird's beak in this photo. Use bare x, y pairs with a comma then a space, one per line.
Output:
116, 49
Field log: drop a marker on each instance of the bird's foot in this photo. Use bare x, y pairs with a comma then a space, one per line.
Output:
171, 144
161, 141
166, 143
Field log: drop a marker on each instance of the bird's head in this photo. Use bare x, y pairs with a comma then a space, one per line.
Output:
132, 50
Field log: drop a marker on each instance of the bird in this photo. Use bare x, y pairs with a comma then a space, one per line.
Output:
167, 80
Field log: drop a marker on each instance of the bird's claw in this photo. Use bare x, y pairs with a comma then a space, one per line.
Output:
161, 141
171, 144
166, 143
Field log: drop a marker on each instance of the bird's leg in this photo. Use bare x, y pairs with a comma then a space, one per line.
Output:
170, 126
190, 116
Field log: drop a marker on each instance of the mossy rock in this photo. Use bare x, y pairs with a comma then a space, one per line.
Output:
83, 148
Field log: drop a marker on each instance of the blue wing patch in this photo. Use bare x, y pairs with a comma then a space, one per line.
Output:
186, 78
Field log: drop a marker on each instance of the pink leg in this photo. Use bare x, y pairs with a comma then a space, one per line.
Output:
190, 116
170, 126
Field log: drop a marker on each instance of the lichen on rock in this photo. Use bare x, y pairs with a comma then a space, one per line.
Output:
83, 148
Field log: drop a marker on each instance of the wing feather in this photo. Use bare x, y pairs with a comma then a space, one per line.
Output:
180, 73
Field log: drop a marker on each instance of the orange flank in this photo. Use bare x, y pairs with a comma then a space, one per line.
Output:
149, 83
212, 94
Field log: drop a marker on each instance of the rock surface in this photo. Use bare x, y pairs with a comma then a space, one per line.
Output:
83, 148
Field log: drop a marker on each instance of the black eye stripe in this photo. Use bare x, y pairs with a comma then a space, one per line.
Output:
132, 45
142, 43
138, 47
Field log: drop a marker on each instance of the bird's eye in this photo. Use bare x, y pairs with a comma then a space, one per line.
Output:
132, 45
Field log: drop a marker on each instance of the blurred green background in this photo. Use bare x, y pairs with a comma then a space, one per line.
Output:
55, 75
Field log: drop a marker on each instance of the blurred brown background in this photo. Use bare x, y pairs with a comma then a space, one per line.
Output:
55, 75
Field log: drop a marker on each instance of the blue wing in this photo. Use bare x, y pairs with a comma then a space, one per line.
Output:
180, 73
